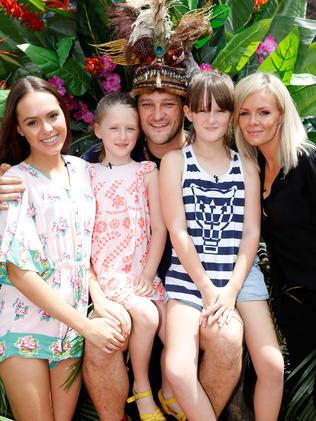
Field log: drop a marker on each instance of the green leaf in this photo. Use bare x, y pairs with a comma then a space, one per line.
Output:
3, 97
305, 99
92, 24
283, 58
219, 15
9, 59
282, 25
63, 49
240, 12
39, 4
46, 60
77, 80
241, 47
293, 8
306, 62
202, 41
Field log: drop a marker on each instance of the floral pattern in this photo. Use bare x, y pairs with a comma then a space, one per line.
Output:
56, 244
122, 230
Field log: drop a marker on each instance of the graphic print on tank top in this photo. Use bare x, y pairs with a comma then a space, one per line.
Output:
213, 213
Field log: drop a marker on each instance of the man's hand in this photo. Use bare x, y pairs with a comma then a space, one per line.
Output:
10, 187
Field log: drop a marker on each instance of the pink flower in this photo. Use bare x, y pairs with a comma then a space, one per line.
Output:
265, 48
112, 83
107, 66
205, 67
58, 83
83, 113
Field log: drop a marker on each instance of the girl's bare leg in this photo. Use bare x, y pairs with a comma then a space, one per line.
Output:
145, 321
266, 357
182, 348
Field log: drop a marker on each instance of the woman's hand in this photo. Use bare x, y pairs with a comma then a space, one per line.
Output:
104, 334
10, 187
209, 298
144, 287
115, 314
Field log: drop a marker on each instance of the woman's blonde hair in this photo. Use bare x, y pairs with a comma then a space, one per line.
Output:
293, 135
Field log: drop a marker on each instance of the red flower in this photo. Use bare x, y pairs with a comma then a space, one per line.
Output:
56, 4
15, 10
259, 3
93, 65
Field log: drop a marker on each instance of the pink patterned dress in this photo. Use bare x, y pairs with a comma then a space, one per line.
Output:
121, 231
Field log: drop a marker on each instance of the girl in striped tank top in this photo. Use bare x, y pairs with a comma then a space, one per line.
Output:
211, 205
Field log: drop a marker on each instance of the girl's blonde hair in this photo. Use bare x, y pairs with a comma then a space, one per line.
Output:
206, 86
109, 101
293, 135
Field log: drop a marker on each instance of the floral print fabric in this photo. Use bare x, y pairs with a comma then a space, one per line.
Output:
121, 232
49, 232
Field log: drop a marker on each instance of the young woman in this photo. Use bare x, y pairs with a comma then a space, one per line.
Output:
210, 200
269, 131
44, 257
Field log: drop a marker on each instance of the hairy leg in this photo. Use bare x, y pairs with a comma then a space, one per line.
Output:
64, 401
27, 385
221, 360
182, 347
105, 377
266, 356
145, 321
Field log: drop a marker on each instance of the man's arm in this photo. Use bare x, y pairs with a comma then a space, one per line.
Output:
10, 187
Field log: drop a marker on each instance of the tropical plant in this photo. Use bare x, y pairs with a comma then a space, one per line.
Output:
56, 40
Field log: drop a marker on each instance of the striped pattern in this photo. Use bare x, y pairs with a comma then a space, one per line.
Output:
214, 210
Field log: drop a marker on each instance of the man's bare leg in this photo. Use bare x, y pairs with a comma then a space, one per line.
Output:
105, 377
221, 361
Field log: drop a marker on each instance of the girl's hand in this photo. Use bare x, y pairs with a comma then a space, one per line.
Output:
144, 287
104, 334
223, 307
116, 314
209, 299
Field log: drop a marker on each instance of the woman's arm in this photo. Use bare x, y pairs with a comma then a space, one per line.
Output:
171, 169
158, 234
97, 331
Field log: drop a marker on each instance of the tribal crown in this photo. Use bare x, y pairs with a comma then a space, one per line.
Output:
159, 49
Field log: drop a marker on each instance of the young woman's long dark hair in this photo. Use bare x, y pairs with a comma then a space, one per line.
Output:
14, 148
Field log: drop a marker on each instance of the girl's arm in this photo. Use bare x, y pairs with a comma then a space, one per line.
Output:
113, 312
158, 234
248, 245
96, 331
173, 210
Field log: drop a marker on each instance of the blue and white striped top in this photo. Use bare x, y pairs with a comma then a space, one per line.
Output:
214, 208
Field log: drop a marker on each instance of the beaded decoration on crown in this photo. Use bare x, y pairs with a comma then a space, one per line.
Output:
159, 50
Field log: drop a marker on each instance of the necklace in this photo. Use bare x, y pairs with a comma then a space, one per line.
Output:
110, 165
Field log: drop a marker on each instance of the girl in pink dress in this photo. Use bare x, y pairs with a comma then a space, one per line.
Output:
128, 238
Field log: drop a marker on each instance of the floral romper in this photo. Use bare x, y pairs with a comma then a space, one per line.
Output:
49, 232
121, 232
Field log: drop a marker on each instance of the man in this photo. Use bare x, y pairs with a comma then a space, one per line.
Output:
105, 375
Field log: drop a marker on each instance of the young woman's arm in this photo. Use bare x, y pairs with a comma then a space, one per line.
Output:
248, 245
97, 331
158, 234
171, 169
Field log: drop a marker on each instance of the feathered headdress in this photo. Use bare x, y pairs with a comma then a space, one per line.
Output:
148, 39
